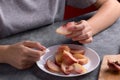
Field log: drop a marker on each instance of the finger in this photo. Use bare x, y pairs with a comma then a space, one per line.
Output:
34, 53
74, 34
86, 41
32, 44
30, 58
80, 25
76, 27
82, 37
70, 24
79, 32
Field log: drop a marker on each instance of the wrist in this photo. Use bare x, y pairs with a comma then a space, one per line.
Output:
3, 53
94, 31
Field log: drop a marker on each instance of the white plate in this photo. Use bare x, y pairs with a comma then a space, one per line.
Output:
93, 63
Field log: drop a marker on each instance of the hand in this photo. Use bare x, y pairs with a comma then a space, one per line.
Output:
23, 55
80, 31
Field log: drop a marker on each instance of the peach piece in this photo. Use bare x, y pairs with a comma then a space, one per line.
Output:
66, 69
63, 30
79, 68
82, 59
78, 56
73, 51
58, 58
68, 58
51, 66
59, 53
62, 48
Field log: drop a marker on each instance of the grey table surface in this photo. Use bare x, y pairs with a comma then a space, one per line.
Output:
106, 42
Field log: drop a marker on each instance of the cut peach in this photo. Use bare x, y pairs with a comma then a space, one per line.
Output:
78, 56
82, 59
73, 51
68, 61
51, 66
79, 68
68, 58
59, 54
62, 48
58, 58
62, 30
66, 69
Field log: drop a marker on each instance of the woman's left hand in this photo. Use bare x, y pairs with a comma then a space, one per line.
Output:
80, 31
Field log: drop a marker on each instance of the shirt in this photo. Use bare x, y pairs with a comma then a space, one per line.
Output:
20, 15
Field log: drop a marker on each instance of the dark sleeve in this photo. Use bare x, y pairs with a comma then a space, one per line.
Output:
80, 3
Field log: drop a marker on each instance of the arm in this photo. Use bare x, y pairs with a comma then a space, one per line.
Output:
83, 31
2, 53
108, 12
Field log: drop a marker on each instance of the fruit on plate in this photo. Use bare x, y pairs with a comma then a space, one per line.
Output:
66, 69
79, 51
68, 58
79, 68
67, 62
51, 66
58, 58
62, 48
59, 54
78, 56
82, 59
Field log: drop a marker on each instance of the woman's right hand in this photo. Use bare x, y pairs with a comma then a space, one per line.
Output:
24, 54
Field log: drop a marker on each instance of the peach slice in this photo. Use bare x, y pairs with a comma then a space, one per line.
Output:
79, 68
73, 51
66, 69
78, 56
51, 66
59, 54
62, 48
62, 30
68, 58
82, 59
58, 58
